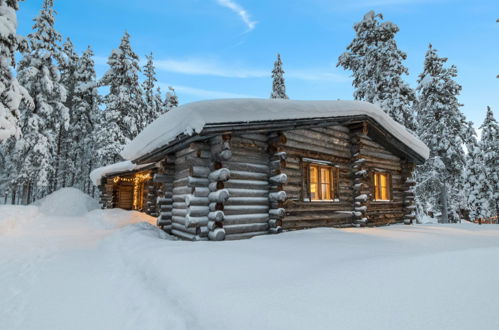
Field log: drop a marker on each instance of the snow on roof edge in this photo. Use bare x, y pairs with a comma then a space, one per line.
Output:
116, 168
191, 118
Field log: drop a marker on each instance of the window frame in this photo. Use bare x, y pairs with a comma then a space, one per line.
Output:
334, 186
389, 186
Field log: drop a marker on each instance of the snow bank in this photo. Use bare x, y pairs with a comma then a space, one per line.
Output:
192, 118
106, 270
67, 202
97, 174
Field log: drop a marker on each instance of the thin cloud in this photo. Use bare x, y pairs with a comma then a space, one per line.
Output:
210, 67
206, 67
243, 13
203, 93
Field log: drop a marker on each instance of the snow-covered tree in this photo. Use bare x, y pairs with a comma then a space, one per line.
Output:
443, 128
39, 74
489, 145
65, 165
278, 82
377, 68
171, 99
11, 92
477, 187
124, 115
84, 121
152, 96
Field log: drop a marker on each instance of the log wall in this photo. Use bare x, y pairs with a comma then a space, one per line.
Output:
330, 144
246, 211
376, 158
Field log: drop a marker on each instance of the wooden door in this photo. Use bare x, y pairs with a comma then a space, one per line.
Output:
125, 197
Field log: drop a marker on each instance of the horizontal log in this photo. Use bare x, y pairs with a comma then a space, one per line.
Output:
198, 211
201, 191
245, 235
245, 228
183, 235
193, 200
245, 209
248, 192
191, 221
247, 175
247, 201
245, 218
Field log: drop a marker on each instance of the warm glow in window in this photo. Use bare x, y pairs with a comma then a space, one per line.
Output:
322, 180
382, 183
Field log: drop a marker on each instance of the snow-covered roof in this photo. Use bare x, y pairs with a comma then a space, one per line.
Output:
191, 118
126, 166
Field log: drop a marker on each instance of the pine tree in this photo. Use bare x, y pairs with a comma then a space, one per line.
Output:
124, 115
11, 92
65, 164
377, 68
278, 82
84, 122
38, 72
443, 128
153, 104
477, 187
489, 145
171, 99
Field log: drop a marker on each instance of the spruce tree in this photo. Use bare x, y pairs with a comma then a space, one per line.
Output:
84, 122
124, 116
11, 92
171, 99
152, 103
38, 72
489, 145
477, 187
278, 82
377, 68
443, 128
66, 166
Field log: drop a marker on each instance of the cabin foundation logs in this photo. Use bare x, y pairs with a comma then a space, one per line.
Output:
190, 192
108, 193
164, 199
220, 151
408, 188
277, 195
360, 175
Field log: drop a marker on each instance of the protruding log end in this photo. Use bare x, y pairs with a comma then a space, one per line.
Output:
217, 235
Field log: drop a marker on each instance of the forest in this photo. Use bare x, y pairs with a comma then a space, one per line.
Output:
58, 120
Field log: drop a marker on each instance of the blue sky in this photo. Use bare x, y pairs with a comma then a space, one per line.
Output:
226, 48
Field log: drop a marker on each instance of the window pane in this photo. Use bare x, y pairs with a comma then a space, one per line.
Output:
314, 182
384, 186
326, 183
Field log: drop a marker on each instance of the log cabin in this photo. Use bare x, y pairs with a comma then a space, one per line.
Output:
237, 168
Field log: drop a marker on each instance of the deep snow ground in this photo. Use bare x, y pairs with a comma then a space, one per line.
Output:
107, 269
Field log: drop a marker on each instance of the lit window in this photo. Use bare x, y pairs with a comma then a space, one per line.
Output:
382, 186
322, 182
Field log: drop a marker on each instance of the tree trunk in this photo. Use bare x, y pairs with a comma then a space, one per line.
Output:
13, 197
444, 201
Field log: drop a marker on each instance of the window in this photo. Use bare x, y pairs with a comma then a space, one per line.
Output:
322, 182
382, 186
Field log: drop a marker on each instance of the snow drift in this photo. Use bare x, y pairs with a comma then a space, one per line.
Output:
191, 118
67, 202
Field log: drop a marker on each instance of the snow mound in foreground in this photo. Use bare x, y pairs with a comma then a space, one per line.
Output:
67, 202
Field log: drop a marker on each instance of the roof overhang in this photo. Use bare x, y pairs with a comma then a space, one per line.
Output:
378, 133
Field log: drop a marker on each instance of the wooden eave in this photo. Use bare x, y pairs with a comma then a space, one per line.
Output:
376, 131
122, 173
